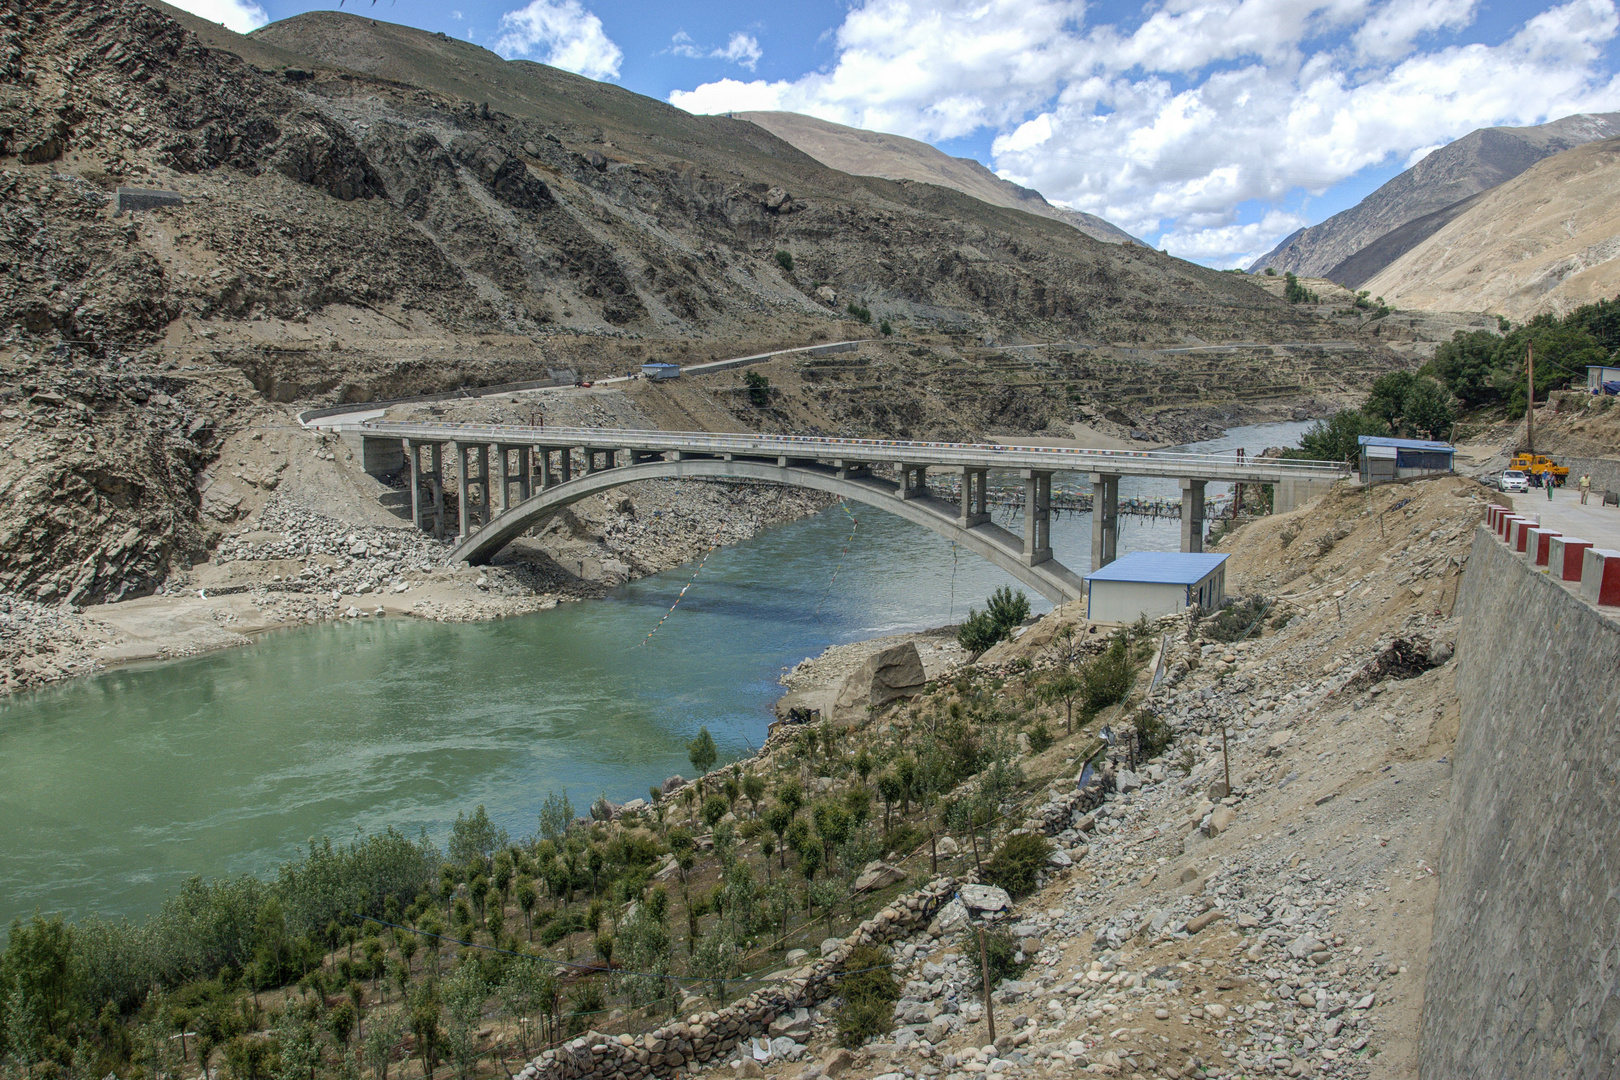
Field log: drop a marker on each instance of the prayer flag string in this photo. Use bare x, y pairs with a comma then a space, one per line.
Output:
682, 594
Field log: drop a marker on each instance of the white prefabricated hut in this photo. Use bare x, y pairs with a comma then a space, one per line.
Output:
1155, 583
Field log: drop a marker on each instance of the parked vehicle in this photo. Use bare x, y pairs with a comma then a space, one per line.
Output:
1513, 480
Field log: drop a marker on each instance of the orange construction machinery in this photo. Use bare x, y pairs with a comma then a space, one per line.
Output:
1539, 465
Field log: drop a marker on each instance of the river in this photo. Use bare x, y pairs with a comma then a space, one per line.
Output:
113, 789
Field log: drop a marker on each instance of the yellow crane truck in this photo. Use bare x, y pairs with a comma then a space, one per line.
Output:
1539, 465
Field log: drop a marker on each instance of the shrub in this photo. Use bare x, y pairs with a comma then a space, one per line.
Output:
870, 990
1001, 957
1004, 611
1108, 678
784, 259
1156, 735
1234, 621
885, 328
978, 632
1017, 861
1040, 737
759, 393
861, 313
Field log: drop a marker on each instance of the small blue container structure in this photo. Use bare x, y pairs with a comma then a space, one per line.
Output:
1383, 460
1155, 583
659, 372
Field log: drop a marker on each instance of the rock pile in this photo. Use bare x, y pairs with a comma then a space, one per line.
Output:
707, 1036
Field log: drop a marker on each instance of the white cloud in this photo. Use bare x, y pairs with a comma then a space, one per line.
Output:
1206, 106
742, 49
1392, 29
238, 15
563, 34
456, 15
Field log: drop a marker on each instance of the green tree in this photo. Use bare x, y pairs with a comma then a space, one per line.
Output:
474, 837
759, 388
556, 816
889, 790
382, 1040
832, 825
791, 796
753, 786
701, 751
1337, 438
1465, 363
425, 1024
1386, 400
1428, 410
464, 994
714, 808
784, 259
527, 895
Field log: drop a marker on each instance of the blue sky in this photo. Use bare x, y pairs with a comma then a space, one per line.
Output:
1212, 128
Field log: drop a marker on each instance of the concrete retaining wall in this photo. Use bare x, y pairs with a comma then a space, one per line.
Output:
1524, 968
1605, 472
712, 1036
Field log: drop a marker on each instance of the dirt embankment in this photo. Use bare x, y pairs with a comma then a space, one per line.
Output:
1279, 927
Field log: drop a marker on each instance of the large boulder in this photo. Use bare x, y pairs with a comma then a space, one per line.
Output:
895, 672
879, 875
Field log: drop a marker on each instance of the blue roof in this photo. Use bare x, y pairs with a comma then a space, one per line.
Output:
1405, 444
1160, 567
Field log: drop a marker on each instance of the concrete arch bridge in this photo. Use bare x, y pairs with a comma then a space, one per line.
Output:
510, 478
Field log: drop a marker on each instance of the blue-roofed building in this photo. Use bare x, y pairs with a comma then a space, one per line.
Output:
1383, 459
1155, 583
659, 372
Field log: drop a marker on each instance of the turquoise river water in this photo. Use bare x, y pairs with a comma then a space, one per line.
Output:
115, 788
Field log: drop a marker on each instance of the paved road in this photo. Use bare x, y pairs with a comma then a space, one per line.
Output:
1595, 522
1225, 466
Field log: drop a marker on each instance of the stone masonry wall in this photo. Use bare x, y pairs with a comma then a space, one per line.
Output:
1525, 960
710, 1036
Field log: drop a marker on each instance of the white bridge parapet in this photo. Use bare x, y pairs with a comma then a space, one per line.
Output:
556, 466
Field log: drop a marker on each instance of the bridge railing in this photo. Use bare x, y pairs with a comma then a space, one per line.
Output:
977, 454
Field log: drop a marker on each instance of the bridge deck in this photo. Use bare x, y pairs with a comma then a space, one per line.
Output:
1226, 467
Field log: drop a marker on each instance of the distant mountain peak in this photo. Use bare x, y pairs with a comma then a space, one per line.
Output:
1415, 200
894, 157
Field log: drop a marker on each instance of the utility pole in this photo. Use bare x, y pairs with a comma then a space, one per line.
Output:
1530, 397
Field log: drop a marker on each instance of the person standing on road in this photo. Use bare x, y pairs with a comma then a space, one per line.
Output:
1551, 483
1586, 487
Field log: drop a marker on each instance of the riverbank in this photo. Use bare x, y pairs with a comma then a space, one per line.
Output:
285, 566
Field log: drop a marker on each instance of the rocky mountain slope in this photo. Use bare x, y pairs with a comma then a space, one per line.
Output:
1547, 240
895, 157
369, 211
1477, 161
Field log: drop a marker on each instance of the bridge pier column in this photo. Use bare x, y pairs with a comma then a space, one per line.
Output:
413, 461
566, 458
503, 475
1192, 515
1037, 517
975, 510
846, 469
913, 480
463, 491
523, 483
1104, 519
481, 452
436, 484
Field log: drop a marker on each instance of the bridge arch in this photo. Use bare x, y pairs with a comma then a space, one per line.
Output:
1051, 579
